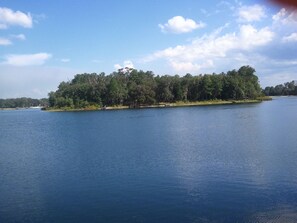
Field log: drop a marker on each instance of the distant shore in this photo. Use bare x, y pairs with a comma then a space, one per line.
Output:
20, 108
165, 105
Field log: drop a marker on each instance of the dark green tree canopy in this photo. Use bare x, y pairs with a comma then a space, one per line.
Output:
136, 87
289, 88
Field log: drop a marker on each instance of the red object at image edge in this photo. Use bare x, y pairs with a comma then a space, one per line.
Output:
292, 3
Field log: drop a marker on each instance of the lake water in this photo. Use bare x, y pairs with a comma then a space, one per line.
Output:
228, 163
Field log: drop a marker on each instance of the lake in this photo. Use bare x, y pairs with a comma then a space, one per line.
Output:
227, 163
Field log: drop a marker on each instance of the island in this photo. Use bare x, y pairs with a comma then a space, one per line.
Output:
131, 88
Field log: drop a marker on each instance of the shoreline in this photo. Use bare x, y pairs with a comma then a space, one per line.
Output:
20, 108
165, 105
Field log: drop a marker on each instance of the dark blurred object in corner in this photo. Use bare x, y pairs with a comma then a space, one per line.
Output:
291, 3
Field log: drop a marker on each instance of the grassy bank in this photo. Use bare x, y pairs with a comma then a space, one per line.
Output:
166, 105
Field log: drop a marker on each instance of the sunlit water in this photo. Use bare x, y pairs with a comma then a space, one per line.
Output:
229, 163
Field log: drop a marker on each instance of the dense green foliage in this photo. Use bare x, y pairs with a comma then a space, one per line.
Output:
134, 88
23, 102
289, 88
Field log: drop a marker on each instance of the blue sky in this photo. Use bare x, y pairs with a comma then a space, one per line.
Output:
45, 42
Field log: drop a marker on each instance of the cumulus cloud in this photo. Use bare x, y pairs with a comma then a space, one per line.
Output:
251, 13
285, 17
9, 17
269, 48
182, 66
26, 59
179, 24
202, 52
126, 64
8, 41
117, 66
285, 22
251, 37
5, 42
290, 38
278, 16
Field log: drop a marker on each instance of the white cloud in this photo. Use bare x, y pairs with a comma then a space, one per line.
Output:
251, 37
205, 51
251, 13
19, 36
278, 16
5, 42
117, 66
285, 24
183, 65
27, 59
9, 17
126, 64
290, 38
190, 66
285, 17
179, 24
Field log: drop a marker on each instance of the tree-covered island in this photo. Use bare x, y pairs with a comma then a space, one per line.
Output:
136, 88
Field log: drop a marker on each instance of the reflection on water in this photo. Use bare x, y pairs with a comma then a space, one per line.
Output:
280, 214
197, 164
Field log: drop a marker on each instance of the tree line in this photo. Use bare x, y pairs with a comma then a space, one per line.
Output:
23, 102
136, 87
288, 88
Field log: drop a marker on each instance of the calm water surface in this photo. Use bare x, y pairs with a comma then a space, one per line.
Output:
234, 163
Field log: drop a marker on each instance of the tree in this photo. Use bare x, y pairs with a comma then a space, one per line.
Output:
206, 88
141, 88
52, 99
116, 92
217, 82
163, 90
